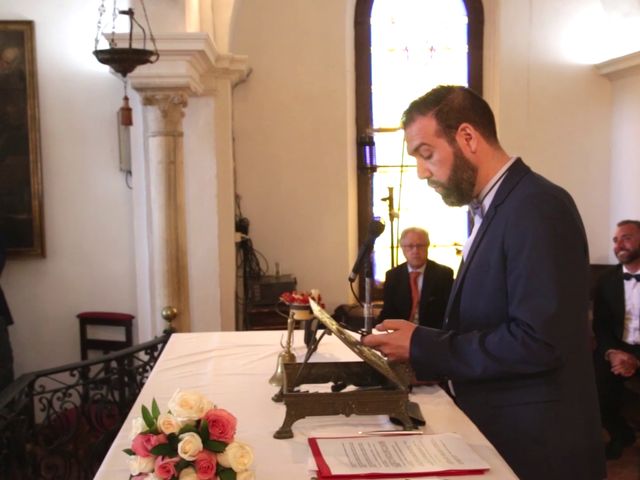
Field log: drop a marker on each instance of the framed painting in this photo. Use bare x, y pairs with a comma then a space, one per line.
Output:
21, 218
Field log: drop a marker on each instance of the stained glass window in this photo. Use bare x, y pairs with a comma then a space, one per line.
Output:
415, 46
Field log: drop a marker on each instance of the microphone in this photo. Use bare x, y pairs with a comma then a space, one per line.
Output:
376, 227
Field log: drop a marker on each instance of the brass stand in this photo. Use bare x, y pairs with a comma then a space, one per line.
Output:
374, 395
381, 387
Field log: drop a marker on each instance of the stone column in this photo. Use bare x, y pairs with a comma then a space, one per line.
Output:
185, 255
163, 114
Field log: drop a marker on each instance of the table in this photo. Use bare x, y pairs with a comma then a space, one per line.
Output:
233, 368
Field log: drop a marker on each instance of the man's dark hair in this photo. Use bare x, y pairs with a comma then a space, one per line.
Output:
452, 105
629, 222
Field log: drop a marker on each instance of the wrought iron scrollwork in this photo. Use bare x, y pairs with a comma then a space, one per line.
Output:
59, 423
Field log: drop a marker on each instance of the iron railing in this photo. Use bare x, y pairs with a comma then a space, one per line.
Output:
59, 423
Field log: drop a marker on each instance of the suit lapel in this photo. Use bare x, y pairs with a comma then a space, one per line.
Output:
514, 174
404, 297
618, 301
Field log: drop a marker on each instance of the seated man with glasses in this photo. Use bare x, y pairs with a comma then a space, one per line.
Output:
417, 290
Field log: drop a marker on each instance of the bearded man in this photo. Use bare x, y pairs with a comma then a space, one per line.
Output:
616, 324
515, 345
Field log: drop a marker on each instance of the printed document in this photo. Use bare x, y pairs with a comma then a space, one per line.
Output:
389, 456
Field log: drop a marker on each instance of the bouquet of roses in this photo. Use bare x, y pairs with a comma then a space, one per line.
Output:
194, 440
301, 298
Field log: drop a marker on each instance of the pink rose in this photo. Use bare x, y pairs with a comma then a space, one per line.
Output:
166, 467
205, 465
144, 442
222, 424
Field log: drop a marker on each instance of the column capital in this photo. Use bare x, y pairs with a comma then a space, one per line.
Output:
188, 60
170, 105
165, 97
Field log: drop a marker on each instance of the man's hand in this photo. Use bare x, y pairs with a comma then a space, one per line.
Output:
622, 363
395, 343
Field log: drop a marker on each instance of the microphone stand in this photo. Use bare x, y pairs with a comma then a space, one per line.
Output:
393, 215
367, 306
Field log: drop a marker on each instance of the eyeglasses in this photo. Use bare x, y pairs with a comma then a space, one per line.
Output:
411, 246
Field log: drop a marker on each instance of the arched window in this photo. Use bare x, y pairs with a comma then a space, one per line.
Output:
403, 49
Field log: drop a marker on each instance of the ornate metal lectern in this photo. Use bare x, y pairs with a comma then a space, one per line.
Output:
376, 386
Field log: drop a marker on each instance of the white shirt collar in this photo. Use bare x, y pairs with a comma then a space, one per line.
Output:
490, 189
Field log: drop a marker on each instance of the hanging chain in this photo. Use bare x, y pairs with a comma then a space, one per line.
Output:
114, 15
153, 39
101, 11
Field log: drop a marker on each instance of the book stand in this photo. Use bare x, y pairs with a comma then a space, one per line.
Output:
381, 388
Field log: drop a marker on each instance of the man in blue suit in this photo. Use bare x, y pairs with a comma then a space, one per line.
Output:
515, 344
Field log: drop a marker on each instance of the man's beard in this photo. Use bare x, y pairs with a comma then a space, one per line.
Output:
459, 187
628, 256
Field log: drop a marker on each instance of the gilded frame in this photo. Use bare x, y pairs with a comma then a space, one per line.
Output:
21, 209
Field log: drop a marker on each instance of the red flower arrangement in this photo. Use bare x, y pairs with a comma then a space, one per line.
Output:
301, 298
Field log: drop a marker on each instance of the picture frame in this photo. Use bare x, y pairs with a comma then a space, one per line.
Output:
21, 208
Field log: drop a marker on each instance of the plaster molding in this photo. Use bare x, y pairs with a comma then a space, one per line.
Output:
621, 66
189, 61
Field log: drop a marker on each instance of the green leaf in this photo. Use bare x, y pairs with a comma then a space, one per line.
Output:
227, 474
215, 446
204, 431
187, 428
155, 410
128, 451
164, 449
148, 418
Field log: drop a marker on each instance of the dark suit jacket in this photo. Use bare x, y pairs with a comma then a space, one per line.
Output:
608, 312
436, 286
516, 343
5, 314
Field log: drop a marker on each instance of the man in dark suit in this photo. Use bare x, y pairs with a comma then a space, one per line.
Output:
616, 325
432, 283
515, 346
6, 354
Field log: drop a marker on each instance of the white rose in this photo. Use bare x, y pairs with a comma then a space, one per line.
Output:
190, 445
189, 405
138, 465
237, 456
189, 473
137, 426
168, 423
246, 475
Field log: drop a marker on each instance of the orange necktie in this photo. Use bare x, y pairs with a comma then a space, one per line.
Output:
415, 295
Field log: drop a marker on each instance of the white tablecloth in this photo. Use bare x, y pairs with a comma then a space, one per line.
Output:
233, 368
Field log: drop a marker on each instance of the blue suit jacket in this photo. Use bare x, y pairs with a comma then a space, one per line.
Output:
515, 343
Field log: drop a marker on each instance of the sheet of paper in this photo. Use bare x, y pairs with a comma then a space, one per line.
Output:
405, 455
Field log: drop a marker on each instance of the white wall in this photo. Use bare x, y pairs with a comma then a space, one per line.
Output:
552, 110
624, 75
87, 206
294, 134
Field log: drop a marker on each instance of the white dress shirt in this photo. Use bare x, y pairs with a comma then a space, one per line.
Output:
631, 332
